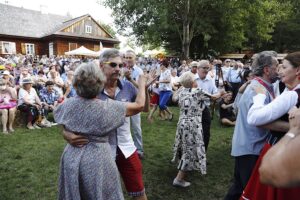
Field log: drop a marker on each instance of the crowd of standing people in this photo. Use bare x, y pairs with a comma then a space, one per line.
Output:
258, 98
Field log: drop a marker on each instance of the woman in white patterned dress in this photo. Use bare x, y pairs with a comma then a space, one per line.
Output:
189, 146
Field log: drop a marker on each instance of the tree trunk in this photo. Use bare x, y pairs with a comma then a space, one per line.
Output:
186, 41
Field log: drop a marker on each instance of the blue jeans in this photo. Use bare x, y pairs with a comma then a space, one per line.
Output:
164, 97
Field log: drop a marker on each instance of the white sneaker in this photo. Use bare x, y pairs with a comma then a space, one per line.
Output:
181, 183
53, 123
36, 126
30, 127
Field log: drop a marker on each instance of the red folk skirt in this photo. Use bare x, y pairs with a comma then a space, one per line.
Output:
255, 190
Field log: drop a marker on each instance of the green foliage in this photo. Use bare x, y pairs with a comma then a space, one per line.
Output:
29, 164
224, 25
108, 28
286, 34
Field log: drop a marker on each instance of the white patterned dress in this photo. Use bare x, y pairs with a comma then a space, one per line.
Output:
189, 146
90, 172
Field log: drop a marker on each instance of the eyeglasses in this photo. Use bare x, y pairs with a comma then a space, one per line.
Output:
113, 64
206, 68
128, 58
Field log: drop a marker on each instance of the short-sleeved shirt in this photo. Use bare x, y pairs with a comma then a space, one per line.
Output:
225, 113
126, 92
49, 97
136, 72
207, 85
233, 76
30, 95
90, 117
165, 86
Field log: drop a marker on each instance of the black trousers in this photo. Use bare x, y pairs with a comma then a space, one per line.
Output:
243, 168
235, 89
206, 121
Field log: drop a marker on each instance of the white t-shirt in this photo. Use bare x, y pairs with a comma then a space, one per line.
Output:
31, 96
165, 86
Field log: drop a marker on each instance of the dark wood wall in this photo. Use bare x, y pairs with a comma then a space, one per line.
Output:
60, 45
20, 42
79, 28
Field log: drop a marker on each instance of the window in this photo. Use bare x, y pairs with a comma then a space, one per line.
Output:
51, 51
7, 47
29, 48
88, 29
72, 46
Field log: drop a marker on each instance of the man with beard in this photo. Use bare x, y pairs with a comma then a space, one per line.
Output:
248, 141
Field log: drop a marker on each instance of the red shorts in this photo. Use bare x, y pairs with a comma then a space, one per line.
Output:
131, 172
154, 99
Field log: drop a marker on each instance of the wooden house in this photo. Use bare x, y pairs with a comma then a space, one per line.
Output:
33, 32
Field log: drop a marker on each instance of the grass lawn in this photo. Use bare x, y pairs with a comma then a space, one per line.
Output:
30, 161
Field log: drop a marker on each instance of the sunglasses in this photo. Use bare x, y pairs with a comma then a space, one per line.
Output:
113, 64
206, 68
128, 58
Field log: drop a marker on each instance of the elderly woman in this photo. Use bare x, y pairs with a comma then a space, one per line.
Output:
40, 79
57, 80
260, 114
70, 90
165, 89
189, 146
8, 98
30, 103
90, 172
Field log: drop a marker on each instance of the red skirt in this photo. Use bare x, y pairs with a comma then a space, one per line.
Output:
154, 99
255, 190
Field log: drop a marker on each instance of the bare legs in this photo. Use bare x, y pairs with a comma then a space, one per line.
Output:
8, 115
143, 197
227, 122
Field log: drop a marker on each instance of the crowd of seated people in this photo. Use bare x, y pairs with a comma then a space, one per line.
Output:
34, 86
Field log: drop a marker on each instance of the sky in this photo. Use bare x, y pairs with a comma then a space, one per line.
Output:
73, 7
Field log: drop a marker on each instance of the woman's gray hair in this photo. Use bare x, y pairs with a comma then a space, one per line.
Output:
88, 80
187, 79
262, 60
109, 53
203, 63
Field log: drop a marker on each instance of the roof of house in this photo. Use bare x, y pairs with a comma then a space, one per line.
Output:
27, 23
16, 21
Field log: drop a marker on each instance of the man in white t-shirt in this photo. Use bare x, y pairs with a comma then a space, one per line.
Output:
130, 59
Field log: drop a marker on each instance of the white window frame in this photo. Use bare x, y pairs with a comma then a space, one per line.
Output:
30, 49
70, 45
51, 49
88, 29
11, 47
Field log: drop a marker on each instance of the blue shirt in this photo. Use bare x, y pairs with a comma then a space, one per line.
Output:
247, 139
47, 97
233, 76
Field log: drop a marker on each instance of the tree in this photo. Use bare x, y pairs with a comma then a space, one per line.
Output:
108, 28
285, 37
224, 25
